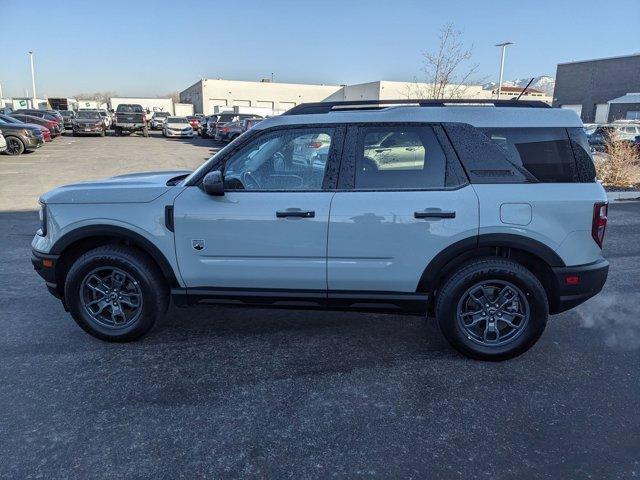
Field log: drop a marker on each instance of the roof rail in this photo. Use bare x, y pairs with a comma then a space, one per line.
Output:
326, 107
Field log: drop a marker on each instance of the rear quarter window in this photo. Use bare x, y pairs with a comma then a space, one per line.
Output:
545, 153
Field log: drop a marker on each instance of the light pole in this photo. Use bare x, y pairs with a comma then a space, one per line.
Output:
33, 79
504, 48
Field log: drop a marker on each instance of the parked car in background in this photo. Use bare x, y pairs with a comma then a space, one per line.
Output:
54, 127
106, 118
47, 114
229, 131
177, 127
3, 143
158, 119
21, 138
622, 131
46, 133
131, 117
67, 118
89, 122
6, 110
220, 119
194, 122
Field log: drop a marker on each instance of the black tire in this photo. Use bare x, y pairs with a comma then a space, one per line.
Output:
15, 146
138, 267
498, 270
117, 131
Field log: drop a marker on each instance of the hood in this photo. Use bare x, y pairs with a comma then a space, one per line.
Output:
20, 126
177, 125
131, 188
87, 120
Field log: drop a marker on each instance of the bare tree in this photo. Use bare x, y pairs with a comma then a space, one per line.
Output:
100, 97
447, 69
175, 96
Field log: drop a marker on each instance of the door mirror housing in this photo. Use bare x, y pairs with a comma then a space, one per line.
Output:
213, 183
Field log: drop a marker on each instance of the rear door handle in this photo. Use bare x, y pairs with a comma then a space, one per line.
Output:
295, 213
435, 214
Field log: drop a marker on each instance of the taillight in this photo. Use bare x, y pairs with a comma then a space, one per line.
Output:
224, 129
599, 224
51, 124
315, 145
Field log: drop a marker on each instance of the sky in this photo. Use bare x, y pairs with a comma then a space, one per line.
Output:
149, 48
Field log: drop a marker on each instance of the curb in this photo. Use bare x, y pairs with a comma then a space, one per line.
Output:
618, 196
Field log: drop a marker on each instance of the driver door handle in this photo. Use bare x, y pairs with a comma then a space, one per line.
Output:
432, 213
295, 213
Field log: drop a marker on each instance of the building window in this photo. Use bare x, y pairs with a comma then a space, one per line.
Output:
633, 115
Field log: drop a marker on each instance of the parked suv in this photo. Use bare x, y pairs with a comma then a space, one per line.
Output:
21, 137
488, 217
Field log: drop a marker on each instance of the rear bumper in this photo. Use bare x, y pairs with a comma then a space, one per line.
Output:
130, 126
591, 279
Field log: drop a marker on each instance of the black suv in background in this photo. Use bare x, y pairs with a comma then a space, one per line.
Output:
21, 137
67, 116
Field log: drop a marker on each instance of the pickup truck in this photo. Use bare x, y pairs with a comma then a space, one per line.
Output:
130, 118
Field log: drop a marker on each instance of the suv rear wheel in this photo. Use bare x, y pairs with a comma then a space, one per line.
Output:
492, 309
115, 293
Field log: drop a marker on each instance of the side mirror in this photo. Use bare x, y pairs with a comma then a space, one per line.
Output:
213, 183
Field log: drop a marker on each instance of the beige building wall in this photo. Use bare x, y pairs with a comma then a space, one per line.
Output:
278, 97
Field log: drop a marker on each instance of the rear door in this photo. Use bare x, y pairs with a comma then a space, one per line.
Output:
395, 209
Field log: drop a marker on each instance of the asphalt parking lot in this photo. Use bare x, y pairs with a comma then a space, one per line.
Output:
235, 393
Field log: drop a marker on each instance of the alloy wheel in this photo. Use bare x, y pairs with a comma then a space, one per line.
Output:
493, 313
111, 297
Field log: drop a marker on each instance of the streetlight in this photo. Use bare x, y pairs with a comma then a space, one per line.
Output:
33, 79
504, 48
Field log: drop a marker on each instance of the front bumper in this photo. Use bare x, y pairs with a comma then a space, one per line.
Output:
45, 266
33, 142
169, 133
89, 129
577, 284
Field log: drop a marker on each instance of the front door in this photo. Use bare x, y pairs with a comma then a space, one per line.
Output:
269, 229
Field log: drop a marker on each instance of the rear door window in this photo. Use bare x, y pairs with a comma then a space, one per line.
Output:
544, 152
399, 157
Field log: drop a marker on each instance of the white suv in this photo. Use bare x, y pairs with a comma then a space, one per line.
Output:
487, 216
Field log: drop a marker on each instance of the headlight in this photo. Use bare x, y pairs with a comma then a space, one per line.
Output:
42, 214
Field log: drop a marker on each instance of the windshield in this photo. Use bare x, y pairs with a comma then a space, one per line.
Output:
66, 113
102, 113
129, 109
160, 114
94, 115
177, 120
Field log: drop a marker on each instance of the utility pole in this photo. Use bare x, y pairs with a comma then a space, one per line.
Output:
502, 55
33, 80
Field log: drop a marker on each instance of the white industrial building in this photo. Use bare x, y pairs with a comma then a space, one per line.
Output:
212, 95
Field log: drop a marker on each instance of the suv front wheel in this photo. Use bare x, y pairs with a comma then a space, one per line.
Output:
492, 309
115, 293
